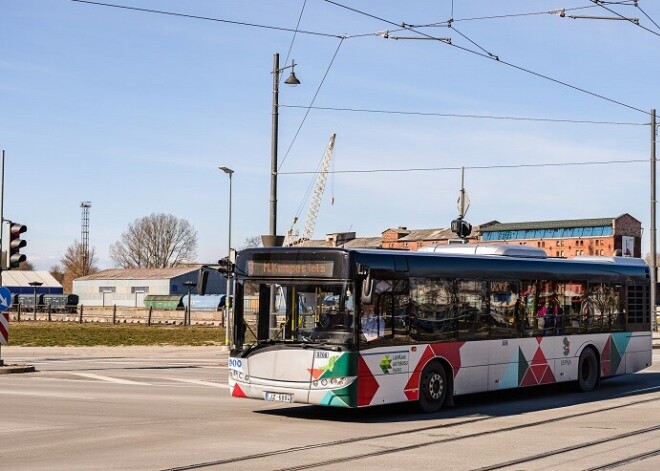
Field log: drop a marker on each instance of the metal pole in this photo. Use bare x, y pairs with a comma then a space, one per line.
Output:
654, 261
35, 302
189, 310
273, 146
227, 298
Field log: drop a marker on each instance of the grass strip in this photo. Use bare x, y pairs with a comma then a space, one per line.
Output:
55, 334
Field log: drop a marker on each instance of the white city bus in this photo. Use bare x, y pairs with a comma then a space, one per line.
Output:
367, 327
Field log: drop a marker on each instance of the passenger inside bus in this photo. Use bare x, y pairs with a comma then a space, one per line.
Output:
336, 321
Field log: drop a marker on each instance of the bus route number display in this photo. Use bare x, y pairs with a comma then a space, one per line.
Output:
302, 268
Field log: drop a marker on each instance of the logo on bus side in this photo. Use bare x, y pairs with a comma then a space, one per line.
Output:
567, 346
396, 363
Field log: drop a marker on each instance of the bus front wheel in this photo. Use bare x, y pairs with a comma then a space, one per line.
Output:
433, 388
588, 370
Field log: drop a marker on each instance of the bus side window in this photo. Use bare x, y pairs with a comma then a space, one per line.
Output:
376, 319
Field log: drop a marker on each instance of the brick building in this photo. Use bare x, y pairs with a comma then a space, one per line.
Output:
620, 235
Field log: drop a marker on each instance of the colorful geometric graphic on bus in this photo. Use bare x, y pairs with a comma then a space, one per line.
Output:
537, 371
344, 397
385, 364
336, 366
610, 358
237, 391
367, 384
448, 351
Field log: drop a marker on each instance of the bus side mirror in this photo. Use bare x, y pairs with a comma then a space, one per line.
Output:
367, 290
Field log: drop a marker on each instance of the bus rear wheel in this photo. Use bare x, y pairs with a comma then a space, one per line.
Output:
433, 388
588, 370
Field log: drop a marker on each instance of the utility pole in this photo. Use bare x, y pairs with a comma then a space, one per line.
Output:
654, 262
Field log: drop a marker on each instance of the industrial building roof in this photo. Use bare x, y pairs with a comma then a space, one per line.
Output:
16, 278
138, 273
567, 223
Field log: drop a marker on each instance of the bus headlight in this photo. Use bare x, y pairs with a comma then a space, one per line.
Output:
330, 383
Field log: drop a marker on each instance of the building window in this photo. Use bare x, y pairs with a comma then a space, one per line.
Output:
107, 289
139, 289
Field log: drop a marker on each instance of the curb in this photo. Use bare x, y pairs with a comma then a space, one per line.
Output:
8, 369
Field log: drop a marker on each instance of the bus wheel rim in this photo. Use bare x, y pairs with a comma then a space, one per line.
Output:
436, 386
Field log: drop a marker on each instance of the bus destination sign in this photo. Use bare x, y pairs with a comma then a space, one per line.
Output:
310, 269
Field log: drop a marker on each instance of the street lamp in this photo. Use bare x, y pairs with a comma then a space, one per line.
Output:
35, 285
293, 81
189, 285
229, 172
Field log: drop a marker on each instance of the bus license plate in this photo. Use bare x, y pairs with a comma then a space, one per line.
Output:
278, 397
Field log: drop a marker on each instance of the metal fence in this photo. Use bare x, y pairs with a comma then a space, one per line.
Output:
118, 315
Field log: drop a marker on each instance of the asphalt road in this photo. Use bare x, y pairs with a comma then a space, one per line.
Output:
164, 408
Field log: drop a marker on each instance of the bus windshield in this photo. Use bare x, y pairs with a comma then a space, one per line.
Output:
298, 312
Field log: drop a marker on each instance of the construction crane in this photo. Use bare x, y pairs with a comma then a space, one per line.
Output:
292, 236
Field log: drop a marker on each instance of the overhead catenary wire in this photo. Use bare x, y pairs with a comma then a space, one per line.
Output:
468, 116
293, 39
474, 167
647, 16
342, 37
206, 18
309, 108
614, 12
496, 59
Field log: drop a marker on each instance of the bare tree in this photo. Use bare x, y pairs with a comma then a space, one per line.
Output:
74, 264
250, 242
156, 241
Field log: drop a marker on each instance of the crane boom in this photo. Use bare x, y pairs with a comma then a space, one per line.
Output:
319, 188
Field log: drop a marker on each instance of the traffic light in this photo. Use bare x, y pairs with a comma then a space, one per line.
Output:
12, 244
461, 228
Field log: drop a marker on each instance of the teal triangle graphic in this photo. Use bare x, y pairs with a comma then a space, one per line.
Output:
621, 340
618, 349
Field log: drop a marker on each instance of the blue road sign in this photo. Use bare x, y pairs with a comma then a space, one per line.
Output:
5, 298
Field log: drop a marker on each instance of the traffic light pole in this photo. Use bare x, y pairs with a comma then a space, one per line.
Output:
2, 200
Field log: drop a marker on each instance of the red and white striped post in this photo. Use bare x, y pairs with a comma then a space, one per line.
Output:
4, 332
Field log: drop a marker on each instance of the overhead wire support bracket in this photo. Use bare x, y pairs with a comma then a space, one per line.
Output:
562, 13
387, 35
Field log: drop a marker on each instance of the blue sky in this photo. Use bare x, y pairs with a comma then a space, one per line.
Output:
134, 111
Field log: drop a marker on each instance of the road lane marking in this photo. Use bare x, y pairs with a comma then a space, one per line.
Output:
109, 379
15, 392
200, 382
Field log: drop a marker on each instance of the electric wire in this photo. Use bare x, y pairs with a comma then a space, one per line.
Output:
206, 18
327, 70
647, 16
293, 39
445, 24
473, 167
468, 116
497, 59
614, 12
